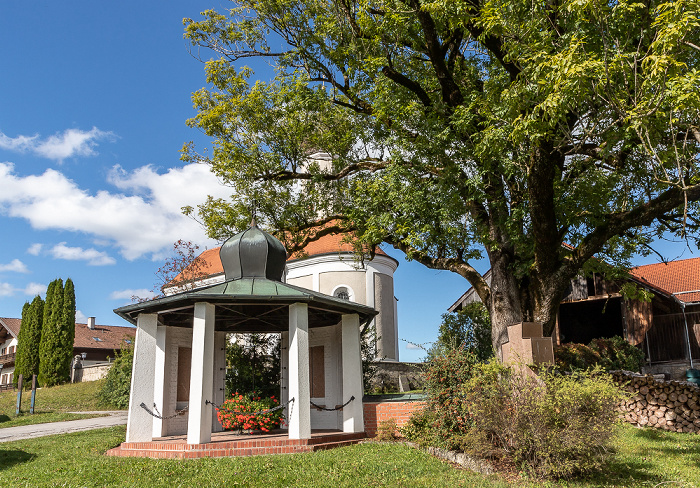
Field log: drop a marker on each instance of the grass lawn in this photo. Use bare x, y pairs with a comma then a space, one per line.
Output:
643, 458
52, 404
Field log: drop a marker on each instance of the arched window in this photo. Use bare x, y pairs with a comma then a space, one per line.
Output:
342, 293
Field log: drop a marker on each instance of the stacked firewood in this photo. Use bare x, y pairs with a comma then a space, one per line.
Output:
668, 405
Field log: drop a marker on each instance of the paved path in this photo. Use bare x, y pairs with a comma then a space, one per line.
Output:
39, 430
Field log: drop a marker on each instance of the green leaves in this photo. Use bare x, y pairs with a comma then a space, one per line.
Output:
450, 128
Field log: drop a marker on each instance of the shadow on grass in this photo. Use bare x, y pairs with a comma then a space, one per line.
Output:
4, 418
9, 458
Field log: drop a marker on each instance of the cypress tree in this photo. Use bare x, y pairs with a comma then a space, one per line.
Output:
21, 366
36, 324
44, 346
67, 330
50, 361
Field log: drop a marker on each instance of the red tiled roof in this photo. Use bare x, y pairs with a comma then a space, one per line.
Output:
325, 245
101, 337
673, 277
11, 324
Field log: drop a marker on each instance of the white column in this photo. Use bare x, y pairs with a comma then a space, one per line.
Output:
353, 420
159, 381
300, 410
139, 427
201, 374
284, 371
219, 383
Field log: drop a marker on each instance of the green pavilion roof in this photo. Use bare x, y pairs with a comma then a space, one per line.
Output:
248, 305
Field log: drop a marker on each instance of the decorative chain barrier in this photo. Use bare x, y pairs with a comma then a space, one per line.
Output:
157, 414
262, 412
340, 407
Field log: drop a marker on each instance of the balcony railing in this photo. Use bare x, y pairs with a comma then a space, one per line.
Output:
7, 359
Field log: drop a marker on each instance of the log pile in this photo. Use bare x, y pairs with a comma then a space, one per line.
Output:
667, 405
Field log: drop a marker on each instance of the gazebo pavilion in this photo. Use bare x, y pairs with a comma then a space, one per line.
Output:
179, 356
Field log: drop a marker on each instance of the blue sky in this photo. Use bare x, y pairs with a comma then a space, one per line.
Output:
93, 102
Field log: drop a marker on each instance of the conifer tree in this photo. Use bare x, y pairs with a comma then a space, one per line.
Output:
28, 341
49, 363
20, 356
67, 336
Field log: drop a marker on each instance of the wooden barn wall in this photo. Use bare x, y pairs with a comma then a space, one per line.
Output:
666, 340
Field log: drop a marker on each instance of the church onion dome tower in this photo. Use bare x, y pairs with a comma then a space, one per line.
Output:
253, 253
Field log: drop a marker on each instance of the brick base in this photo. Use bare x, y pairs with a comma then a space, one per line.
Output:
226, 444
376, 412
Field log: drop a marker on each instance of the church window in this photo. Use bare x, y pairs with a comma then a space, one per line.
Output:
342, 293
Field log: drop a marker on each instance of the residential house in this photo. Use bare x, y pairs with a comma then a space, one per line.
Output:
98, 342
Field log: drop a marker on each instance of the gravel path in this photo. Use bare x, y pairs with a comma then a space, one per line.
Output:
117, 417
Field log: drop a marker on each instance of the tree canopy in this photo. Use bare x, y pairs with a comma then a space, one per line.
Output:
456, 129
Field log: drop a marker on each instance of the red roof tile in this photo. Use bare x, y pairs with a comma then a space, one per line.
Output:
325, 245
11, 324
673, 277
101, 337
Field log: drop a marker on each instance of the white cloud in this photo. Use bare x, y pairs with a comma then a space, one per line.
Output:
92, 256
69, 143
34, 289
410, 345
144, 218
80, 317
129, 293
15, 265
19, 143
34, 249
6, 290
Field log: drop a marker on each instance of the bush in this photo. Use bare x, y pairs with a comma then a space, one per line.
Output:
552, 426
444, 383
607, 354
387, 430
116, 389
239, 413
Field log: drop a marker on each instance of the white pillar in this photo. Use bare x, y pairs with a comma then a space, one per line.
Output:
201, 374
139, 427
284, 371
219, 383
299, 420
353, 420
159, 396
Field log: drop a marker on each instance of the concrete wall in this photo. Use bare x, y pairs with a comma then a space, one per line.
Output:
673, 370
354, 280
395, 377
329, 338
91, 372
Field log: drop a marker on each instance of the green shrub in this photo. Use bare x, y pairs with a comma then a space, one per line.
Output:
553, 426
419, 426
607, 354
444, 383
116, 389
387, 430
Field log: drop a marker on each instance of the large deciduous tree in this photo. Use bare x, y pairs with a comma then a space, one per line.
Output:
457, 128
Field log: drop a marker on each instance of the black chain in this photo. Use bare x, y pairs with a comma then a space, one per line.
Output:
159, 416
333, 409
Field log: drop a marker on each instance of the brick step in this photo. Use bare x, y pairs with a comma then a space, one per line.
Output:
162, 450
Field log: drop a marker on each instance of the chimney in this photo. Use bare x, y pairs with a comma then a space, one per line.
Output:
91, 323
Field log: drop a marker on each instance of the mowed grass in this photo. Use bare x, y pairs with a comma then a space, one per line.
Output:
642, 458
51, 405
